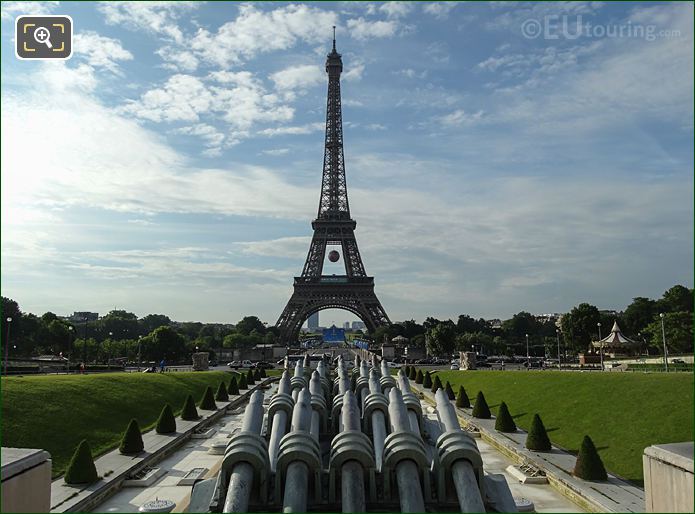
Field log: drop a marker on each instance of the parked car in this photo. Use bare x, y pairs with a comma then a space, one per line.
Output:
677, 361
240, 364
393, 365
263, 365
454, 366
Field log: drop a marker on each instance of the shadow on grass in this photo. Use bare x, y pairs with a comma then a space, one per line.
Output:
521, 414
553, 429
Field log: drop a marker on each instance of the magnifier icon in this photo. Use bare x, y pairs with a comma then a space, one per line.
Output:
43, 35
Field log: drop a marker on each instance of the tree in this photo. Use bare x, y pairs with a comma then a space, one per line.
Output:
166, 423
81, 468
519, 325
537, 438
189, 412
427, 381
638, 315
152, 322
419, 377
580, 323
250, 380
678, 328
208, 400
677, 299
163, 342
481, 409
449, 391
437, 384
441, 339
120, 323
242, 382
465, 342
250, 323
233, 386
413, 373
504, 421
131, 443
589, 465
462, 401
221, 394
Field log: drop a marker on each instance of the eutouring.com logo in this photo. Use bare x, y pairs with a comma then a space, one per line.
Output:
555, 26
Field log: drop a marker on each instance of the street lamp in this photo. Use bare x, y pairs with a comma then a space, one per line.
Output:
71, 329
559, 362
528, 355
663, 338
7, 342
139, 348
600, 348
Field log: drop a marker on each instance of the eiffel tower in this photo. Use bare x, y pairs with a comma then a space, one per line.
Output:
314, 291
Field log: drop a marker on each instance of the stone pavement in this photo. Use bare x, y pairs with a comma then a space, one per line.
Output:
114, 467
613, 495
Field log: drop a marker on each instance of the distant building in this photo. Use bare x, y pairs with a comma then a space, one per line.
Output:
358, 325
495, 324
82, 316
334, 335
313, 322
346, 325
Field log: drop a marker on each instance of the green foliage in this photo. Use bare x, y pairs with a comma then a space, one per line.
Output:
263, 373
249, 377
208, 400
449, 391
221, 394
163, 342
468, 339
427, 381
638, 315
462, 401
678, 328
257, 375
131, 443
677, 299
580, 325
589, 465
81, 468
242, 382
441, 339
480, 409
419, 378
233, 386
413, 373
406, 370
248, 324
504, 421
189, 412
436, 384
537, 439
166, 423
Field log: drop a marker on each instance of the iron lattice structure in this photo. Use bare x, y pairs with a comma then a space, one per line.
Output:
333, 225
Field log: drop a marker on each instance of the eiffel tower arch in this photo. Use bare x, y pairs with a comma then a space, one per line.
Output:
333, 226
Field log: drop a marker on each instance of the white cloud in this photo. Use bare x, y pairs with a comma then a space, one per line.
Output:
177, 59
439, 10
100, 51
288, 247
276, 151
293, 130
298, 77
354, 72
411, 73
396, 9
256, 31
181, 98
213, 139
10, 10
362, 29
158, 18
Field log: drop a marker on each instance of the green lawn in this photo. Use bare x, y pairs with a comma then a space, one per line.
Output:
55, 412
622, 412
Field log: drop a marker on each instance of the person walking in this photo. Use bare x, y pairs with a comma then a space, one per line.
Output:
162, 363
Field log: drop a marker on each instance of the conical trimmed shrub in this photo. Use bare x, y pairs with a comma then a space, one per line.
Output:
249, 377
233, 386
589, 465
131, 442
189, 412
407, 371
449, 391
413, 373
427, 381
462, 401
504, 421
81, 468
480, 409
208, 400
353, 382
257, 375
537, 436
436, 384
263, 373
166, 423
221, 394
419, 377
242, 382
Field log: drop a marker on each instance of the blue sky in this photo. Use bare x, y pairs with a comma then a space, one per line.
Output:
173, 165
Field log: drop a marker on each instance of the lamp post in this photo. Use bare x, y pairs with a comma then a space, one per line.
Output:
71, 329
663, 338
139, 348
559, 362
600, 348
528, 356
84, 342
7, 342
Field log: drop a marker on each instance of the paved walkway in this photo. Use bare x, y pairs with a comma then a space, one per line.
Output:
613, 495
114, 467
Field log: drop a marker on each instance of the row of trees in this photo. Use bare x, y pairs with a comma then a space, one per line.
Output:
122, 334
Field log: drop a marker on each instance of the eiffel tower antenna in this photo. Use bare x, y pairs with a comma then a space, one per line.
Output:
314, 291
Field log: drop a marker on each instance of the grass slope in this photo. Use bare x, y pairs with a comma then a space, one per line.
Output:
55, 412
622, 412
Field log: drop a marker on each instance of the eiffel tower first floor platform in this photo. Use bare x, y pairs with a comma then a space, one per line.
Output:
354, 294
